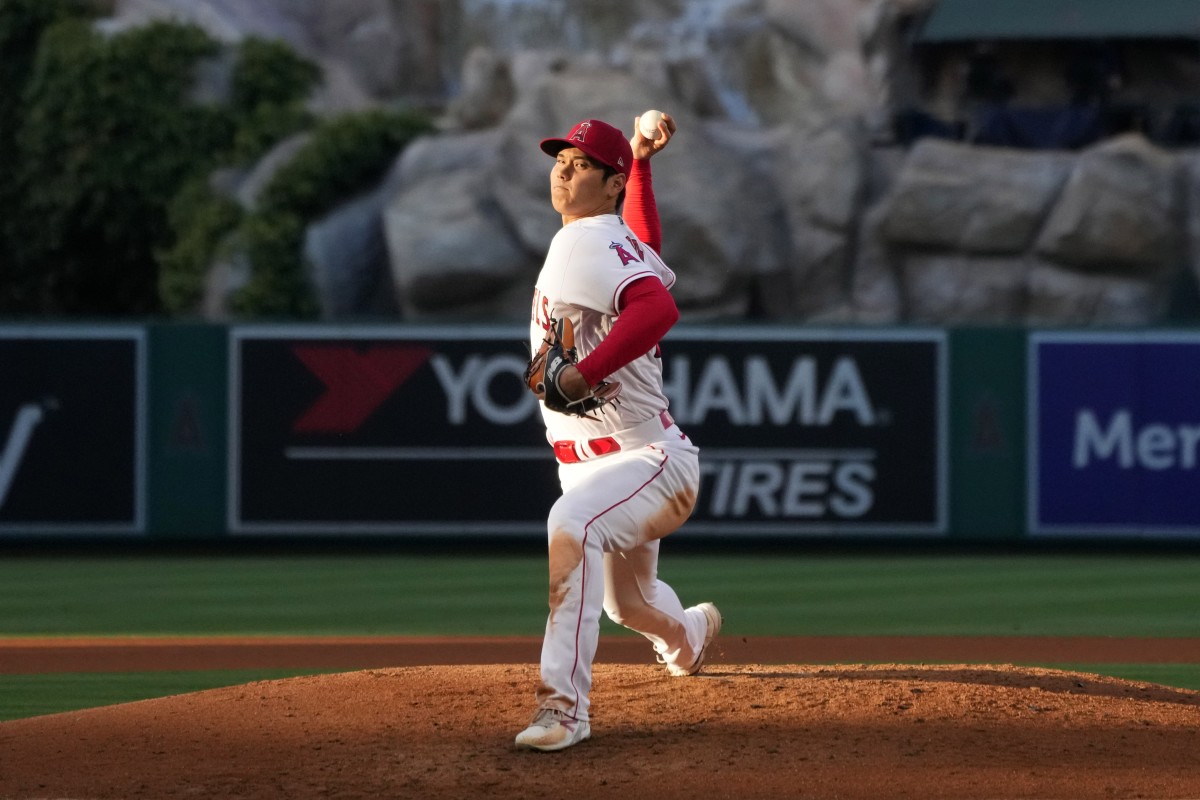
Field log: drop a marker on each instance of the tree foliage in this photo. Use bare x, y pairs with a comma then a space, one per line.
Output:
22, 23
269, 85
106, 140
200, 220
343, 157
105, 202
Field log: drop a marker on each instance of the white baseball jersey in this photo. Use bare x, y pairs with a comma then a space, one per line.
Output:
620, 497
589, 264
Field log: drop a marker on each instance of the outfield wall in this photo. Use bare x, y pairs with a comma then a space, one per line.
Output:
193, 431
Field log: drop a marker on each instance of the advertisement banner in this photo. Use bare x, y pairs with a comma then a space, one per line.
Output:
387, 430
72, 407
410, 430
805, 431
1114, 433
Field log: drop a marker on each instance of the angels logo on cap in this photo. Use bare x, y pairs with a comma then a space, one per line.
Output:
580, 132
599, 140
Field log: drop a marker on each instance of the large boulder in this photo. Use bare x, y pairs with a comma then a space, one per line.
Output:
1060, 296
369, 50
450, 246
876, 295
993, 235
1190, 174
346, 253
1120, 211
821, 180
710, 215
487, 91
954, 289
785, 195
254, 182
977, 199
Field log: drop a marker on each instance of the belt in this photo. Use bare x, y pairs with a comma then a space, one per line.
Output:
571, 451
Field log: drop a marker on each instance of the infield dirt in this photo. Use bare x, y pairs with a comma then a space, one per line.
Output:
738, 730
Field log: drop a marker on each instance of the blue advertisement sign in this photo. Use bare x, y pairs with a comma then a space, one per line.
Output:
1114, 434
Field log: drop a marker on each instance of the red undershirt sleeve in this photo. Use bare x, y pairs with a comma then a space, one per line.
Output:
640, 211
647, 312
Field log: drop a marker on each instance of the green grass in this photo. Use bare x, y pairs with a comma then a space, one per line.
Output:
984, 595
450, 595
336, 595
398, 594
1182, 676
33, 695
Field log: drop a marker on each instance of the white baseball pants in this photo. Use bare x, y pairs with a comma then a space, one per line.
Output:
604, 535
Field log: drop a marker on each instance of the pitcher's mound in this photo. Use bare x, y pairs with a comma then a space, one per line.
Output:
733, 731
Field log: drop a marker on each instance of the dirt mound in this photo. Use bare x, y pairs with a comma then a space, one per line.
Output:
735, 731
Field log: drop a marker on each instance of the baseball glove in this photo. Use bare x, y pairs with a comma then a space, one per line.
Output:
545, 369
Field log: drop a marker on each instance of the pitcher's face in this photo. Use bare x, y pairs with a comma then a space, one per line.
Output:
578, 187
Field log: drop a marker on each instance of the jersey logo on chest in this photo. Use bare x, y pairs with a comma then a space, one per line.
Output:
623, 252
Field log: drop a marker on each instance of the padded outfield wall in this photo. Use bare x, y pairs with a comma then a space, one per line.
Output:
172, 431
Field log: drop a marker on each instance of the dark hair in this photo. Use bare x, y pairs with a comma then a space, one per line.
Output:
607, 173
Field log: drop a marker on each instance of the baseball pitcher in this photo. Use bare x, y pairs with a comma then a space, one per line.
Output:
629, 475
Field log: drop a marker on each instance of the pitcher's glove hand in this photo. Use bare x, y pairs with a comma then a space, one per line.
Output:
544, 374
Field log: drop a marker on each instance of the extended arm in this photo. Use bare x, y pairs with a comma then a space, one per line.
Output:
641, 212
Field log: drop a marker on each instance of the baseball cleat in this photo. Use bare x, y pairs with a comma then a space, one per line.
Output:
552, 729
713, 618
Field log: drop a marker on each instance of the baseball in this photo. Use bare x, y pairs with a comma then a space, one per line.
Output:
648, 123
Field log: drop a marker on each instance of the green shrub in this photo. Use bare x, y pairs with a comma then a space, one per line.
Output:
104, 204
345, 156
201, 219
21, 25
278, 286
269, 72
105, 141
265, 127
269, 88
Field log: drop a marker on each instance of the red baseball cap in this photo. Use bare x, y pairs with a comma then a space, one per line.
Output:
599, 140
